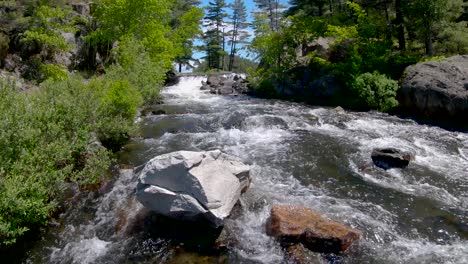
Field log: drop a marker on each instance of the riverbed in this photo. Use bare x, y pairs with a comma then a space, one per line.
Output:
299, 154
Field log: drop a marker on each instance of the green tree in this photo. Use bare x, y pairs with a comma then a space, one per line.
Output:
270, 10
146, 20
45, 26
214, 36
185, 25
239, 25
426, 17
308, 7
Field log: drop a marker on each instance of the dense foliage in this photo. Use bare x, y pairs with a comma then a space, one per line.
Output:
63, 131
240, 65
347, 41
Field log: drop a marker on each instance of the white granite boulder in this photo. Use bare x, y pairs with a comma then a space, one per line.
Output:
193, 185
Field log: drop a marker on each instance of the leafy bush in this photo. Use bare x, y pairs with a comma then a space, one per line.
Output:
52, 71
45, 140
376, 91
45, 26
139, 69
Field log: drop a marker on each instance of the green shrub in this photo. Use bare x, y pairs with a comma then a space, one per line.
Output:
53, 71
45, 26
137, 66
120, 99
376, 91
45, 138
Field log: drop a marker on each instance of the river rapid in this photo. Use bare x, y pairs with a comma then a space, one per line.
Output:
312, 156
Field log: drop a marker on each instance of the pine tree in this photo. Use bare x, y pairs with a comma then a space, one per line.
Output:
238, 32
271, 10
214, 36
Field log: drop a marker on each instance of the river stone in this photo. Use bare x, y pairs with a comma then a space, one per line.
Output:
297, 254
292, 224
388, 158
225, 85
437, 89
192, 185
214, 80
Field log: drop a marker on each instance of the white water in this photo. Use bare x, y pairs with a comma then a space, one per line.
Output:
316, 157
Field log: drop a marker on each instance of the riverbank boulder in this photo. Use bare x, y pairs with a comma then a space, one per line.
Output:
437, 90
293, 224
193, 185
387, 158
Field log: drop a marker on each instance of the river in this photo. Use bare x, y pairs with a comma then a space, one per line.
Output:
313, 156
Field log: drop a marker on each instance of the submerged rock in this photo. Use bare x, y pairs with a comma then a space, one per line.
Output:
193, 185
388, 158
292, 224
299, 255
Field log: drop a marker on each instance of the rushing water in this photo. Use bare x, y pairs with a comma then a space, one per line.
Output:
317, 157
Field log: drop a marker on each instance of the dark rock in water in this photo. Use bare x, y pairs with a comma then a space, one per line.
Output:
292, 224
199, 236
437, 91
159, 112
300, 255
151, 111
391, 158
171, 78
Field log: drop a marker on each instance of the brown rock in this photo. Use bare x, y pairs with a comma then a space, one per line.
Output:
292, 224
300, 255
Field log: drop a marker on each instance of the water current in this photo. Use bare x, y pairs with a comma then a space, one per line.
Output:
313, 156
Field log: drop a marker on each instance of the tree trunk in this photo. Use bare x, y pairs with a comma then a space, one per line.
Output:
224, 48
389, 24
272, 23
180, 67
429, 44
400, 25
233, 45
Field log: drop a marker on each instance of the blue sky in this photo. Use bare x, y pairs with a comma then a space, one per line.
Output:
250, 4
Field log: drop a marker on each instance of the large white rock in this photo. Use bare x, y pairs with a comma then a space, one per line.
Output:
190, 185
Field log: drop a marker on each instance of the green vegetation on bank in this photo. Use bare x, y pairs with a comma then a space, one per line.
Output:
64, 131
239, 65
359, 48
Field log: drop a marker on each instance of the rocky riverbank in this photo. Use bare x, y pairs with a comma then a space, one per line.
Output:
437, 92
